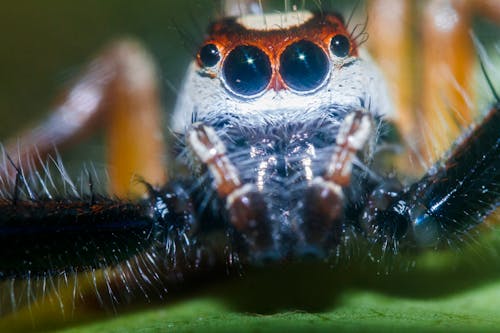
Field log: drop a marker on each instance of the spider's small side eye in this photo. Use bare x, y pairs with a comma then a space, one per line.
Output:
247, 70
303, 66
340, 46
209, 55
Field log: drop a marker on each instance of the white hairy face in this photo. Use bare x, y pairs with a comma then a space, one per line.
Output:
352, 83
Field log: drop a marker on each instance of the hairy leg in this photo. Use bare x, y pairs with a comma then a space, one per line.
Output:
324, 208
453, 197
245, 206
426, 52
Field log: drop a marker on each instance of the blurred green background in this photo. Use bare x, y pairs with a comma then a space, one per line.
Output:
43, 44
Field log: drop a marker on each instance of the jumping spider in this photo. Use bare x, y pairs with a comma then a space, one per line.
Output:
281, 124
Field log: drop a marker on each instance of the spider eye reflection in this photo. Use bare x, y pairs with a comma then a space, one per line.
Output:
340, 46
209, 55
247, 70
304, 66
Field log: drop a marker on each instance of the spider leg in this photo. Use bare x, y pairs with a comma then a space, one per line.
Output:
448, 57
323, 214
452, 198
52, 236
433, 96
392, 48
117, 91
245, 205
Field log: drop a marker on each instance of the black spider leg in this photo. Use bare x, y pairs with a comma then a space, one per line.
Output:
452, 198
61, 235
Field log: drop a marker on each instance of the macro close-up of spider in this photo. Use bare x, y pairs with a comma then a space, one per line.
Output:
319, 165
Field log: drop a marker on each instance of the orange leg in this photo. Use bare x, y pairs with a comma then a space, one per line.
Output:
426, 52
448, 55
390, 43
117, 92
447, 103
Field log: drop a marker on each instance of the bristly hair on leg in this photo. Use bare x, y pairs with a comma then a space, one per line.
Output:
29, 195
486, 66
42, 180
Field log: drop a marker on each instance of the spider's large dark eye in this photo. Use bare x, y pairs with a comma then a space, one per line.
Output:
247, 70
340, 46
209, 55
303, 66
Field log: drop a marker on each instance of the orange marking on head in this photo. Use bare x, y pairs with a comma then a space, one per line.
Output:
320, 29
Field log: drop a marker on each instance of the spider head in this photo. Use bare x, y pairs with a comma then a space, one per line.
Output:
275, 89
268, 68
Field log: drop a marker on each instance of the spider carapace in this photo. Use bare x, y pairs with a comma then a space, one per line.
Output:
282, 132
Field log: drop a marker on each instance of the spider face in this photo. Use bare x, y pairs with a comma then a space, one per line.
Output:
281, 70
279, 98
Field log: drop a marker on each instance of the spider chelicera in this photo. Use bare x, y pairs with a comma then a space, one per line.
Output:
282, 127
